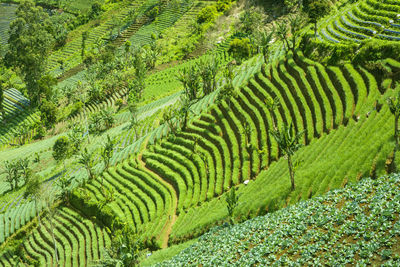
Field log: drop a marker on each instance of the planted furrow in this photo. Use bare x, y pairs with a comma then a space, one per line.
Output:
136, 192
197, 163
135, 209
308, 95
174, 172
232, 144
343, 90
148, 191
216, 136
303, 115
210, 159
249, 118
265, 126
149, 181
203, 137
187, 166
357, 86
287, 99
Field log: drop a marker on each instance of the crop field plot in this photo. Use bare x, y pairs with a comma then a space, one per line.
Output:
185, 128
363, 20
7, 14
356, 225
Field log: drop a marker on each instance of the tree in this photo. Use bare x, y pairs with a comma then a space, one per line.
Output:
33, 189
76, 137
133, 109
107, 152
26, 171
264, 43
316, 10
85, 35
208, 70
30, 42
125, 249
288, 30
86, 159
12, 176
228, 90
64, 184
62, 149
272, 104
107, 117
394, 106
288, 143
48, 113
251, 20
138, 84
231, 199
240, 48
45, 87
2, 88
190, 79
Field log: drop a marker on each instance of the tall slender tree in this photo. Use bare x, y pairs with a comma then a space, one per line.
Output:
288, 142
86, 159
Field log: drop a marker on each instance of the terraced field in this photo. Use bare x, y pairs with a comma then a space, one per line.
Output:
363, 20
80, 242
172, 177
71, 52
17, 113
7, 12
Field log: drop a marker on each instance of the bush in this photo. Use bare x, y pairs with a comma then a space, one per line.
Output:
104, 214
240, 48
207, 14
48, 113
223, 5
373, 50
75, 109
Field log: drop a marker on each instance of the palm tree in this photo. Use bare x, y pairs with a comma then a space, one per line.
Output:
288, 142
394, 106
86, 159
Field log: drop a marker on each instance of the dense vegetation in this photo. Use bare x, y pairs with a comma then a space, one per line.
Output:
132, 126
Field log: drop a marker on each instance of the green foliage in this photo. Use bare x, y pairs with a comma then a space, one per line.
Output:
86, 159
61, 148
208, 71
125, 249
76, 138
351, 226
90, 208
232, 200
30, 43
240, 48
107, 152
48, 113
318, 9
251, 20
207, 14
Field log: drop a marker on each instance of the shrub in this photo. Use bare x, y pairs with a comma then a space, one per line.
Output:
75, 109
240, 48
48, 113
207, 14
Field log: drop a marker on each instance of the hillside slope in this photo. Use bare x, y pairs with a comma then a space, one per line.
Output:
359, 224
